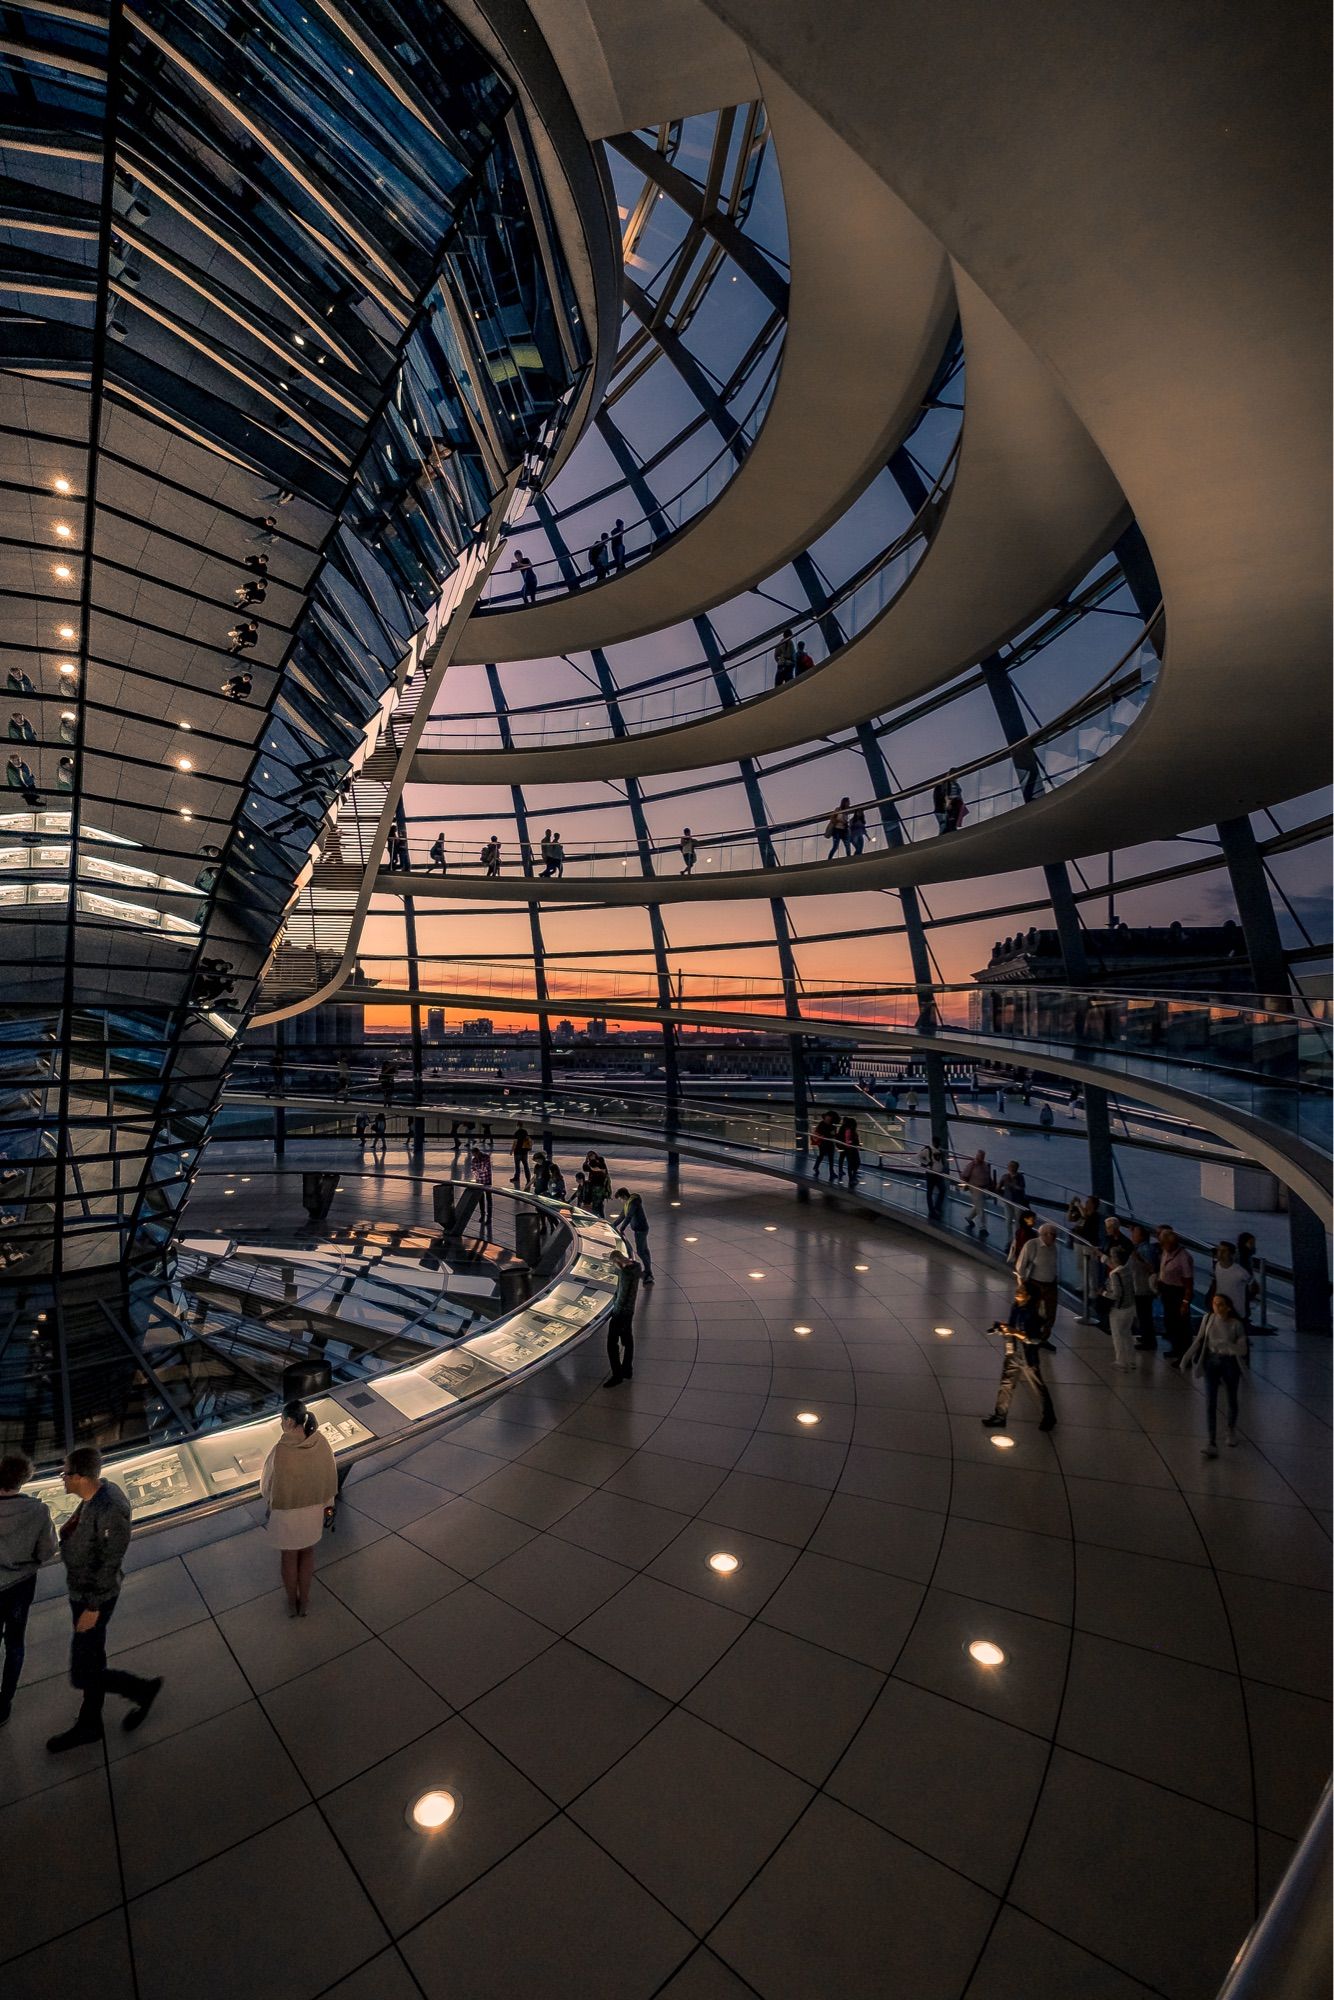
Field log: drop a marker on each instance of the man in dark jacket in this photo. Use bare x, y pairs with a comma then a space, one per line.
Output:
92, 1547
620, 1327
1022, 1334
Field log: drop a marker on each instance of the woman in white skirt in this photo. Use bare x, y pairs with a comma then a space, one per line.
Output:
300, 1483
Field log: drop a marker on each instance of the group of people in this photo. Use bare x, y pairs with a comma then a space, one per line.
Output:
838, 1147
791, 658
846, 829
606, 555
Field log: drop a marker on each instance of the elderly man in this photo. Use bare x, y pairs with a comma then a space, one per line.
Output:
1037, 1269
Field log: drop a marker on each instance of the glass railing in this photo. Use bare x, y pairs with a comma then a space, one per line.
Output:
692, 691
639, 538
990, 787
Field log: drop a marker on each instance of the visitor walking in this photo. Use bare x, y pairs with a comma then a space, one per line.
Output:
521, 1150
1219, 1349
688, 851
836, 829
785, 658
1037, 1268
618, 543
1233, 1280
947, 803
804, 661
857, 831
436, 854
300, 1484
977, 1181
27, 1540
92, 1547
633, 1222
935, 1164
849, 1151
527, 577
491, 857
1022, 1363
1176, 1288
379, 1136
826, 1142
481, 1173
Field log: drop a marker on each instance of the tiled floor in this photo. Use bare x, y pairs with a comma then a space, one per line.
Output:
789, 1781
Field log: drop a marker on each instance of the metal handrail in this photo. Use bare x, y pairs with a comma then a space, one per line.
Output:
1286, 1954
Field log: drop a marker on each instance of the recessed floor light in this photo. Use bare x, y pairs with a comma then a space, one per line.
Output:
64, 530
770, 1228
692, 1239
1003, 1443
63, 486
801, 1329
65, 631
861, 1267
184, 764
724, 1564
62, 572
431, 1811
673, 1204
987, 1653
944, 1331
807, 1417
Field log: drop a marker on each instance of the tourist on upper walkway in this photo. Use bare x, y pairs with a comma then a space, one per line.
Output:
633, 1222
804, 662
396, 848
849, 1151
1038, 1268
1012, 1186
1118, 1295
300, 1484
521, 1152
836, 828
92, 1547
1219, 1349
977, 1181
785, 658
935, 1164
617, 544
826, 1143
490, 857
947, 803
599, 557
27, 1540
1176, 1287
242, 637
527, 577
689, 851
1023, 1362
238, 687
1046, 1118
557, 856
856, 831
437, 856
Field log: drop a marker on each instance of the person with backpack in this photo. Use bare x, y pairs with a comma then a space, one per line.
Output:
490, 857
836, 829
437, 855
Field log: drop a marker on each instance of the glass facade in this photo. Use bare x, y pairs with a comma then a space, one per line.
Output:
287, 320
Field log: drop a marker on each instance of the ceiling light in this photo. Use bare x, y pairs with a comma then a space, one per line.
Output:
807, 1417
62, 573
63, 486
431, 1811
1002, 1443
184, 764
184, 725
64, 530
724, 1564
186, 813
987, 1653
65, 631
68, 667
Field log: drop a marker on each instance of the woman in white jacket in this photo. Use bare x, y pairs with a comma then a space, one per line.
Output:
1219, 1348
300, 1483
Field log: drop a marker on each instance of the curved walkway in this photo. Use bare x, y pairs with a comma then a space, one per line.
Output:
843, 1799
1031, 506
871, 305
1151, 232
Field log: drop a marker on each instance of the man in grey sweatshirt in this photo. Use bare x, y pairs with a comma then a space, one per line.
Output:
27, 1540
92, 1547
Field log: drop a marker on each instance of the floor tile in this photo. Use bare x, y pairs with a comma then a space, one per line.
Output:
677, 1483
1282, 1632
1024, 1959
854, 1611
583, 1459
1290, 1736
901, 1541
468, 1642
708, 1444
1025, 1690
794, 1702
1143, 1521
408, 1874
664, 1637
557, 1918
556, 1581
565, 1718
186, 1799
909, 1479
717, 1812
62, 1967
763, 1565
525, 1494
452, 1466
271, 1647
806, 1461
1027, 1572
1169, 1607
394, 1498
41, 1897
468, 1538
228, 1927
228, 1573
1009, 1496
1177, 1724
384, 1977
844, 1908
958, 1784
628, 1531
1252, 1538
1095, 1832
775, 1508
347, 1714
704, 1977
386, 1583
